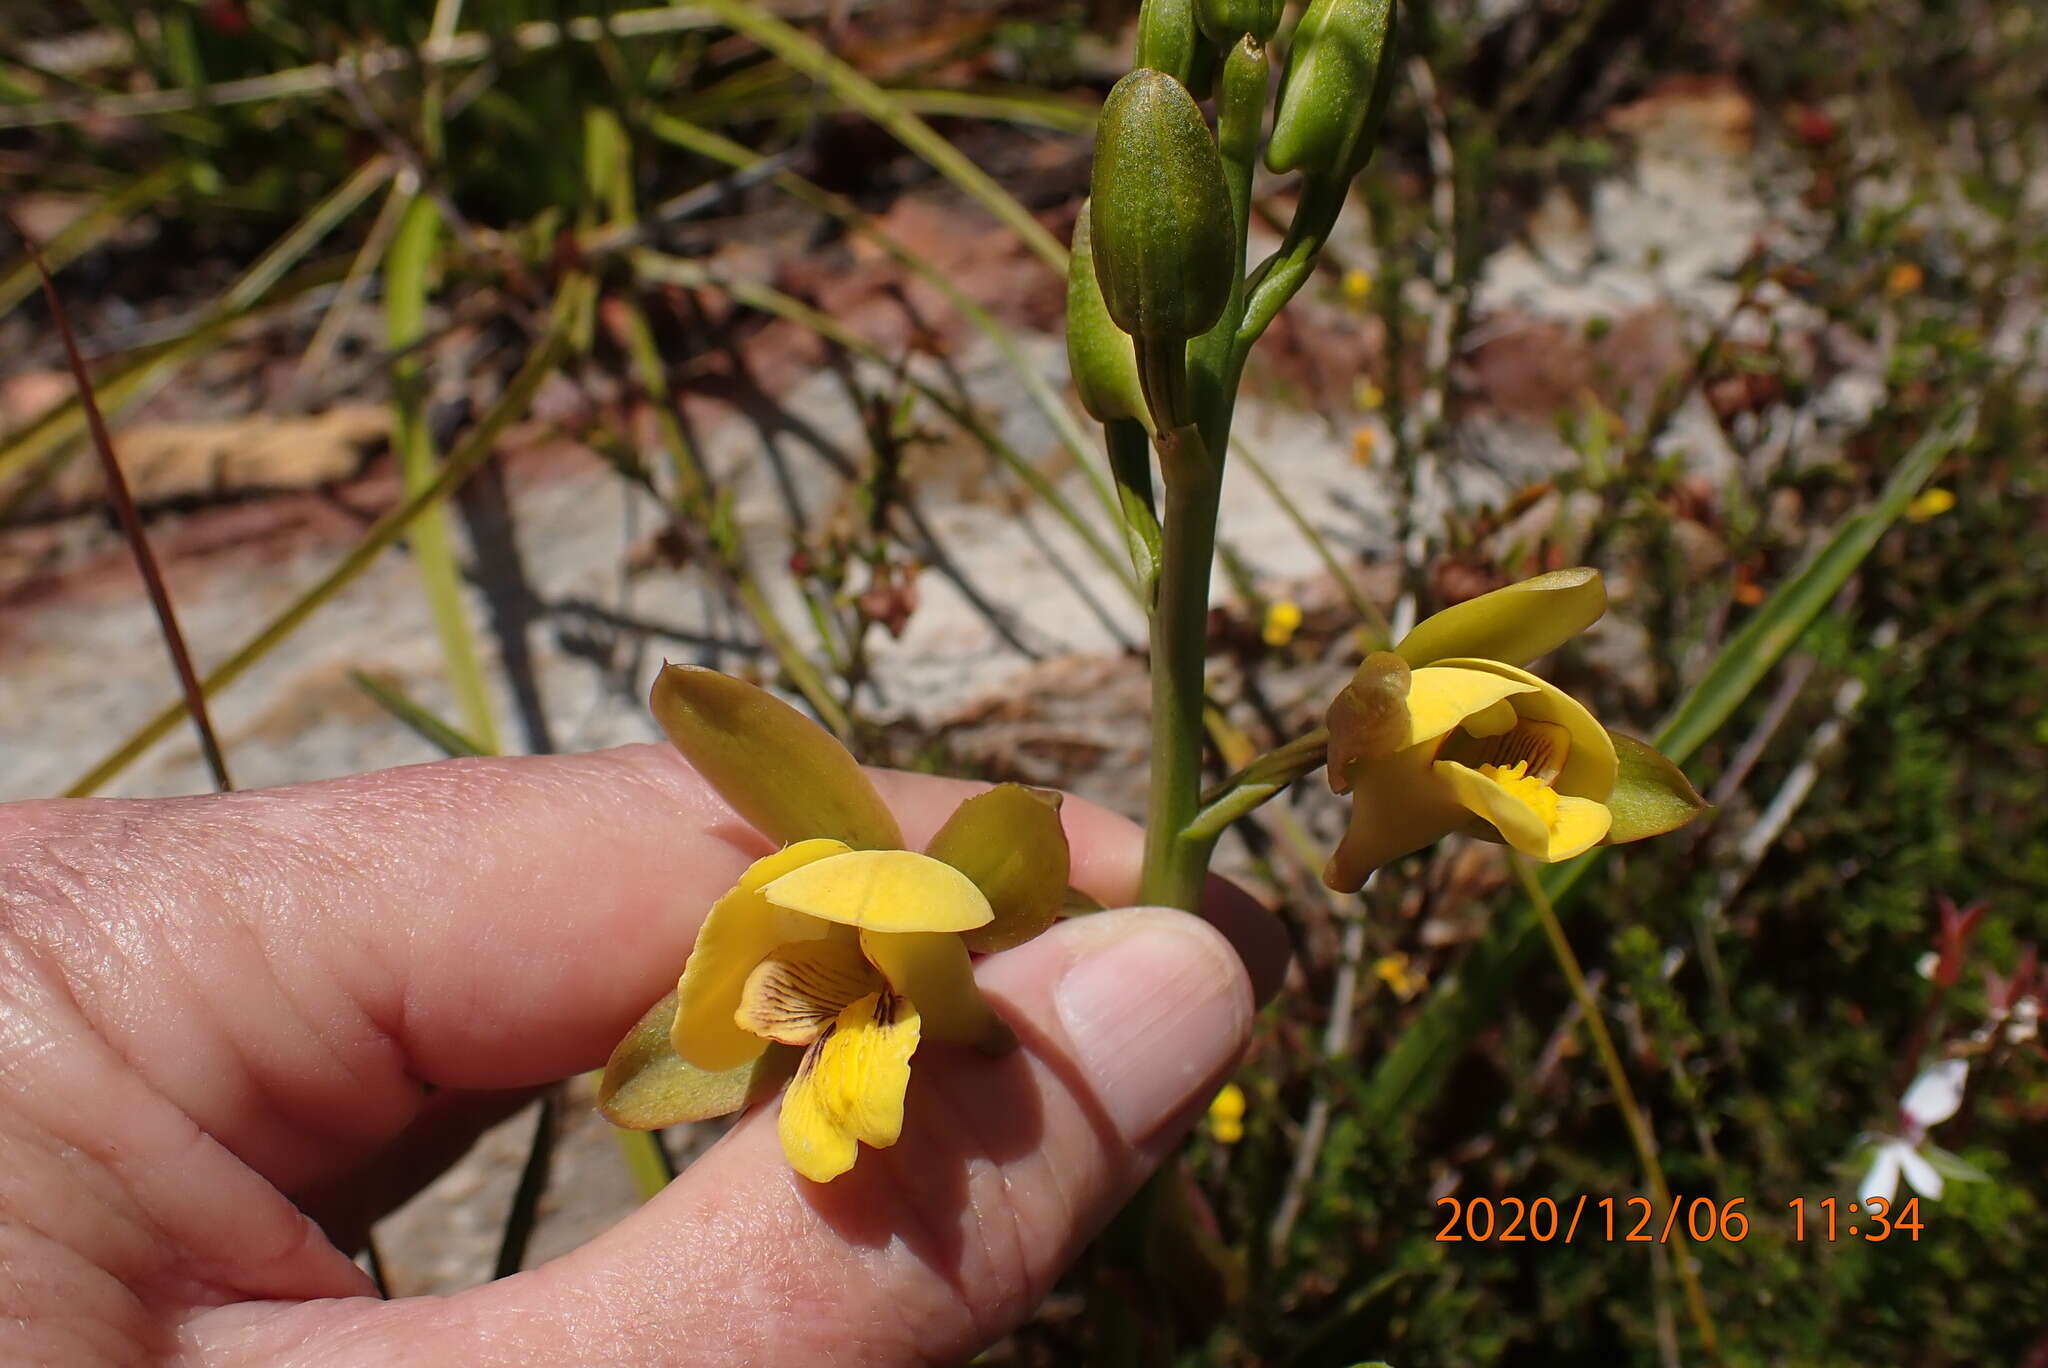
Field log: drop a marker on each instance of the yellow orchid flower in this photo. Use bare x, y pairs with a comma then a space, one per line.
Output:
1226, 1115
832, 959
1447, 732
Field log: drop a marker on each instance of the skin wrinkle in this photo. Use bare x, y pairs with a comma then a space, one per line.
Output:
355, 1051
64, 1135
65, 1277
246, 1079
42, 917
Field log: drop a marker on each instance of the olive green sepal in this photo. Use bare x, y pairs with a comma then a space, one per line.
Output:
647, 1085
786, 775
1651, 795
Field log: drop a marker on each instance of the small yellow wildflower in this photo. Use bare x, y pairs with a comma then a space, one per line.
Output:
1226, 1115
1904, 278
1367, 394
1447, 732
1930, 504
1401, 979
1357, 287
1363, 440
831, 960
1283, 620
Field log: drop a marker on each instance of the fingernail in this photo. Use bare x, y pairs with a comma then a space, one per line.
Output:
1156, 1007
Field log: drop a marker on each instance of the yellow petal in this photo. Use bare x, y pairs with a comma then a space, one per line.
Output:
794, 994
849, 1087
786, 775
1515, 624
884, 890
741, 930
1398, 806
1494, 721
1009, 841
1573, 826
1590, 767
931, 968
1581, 825
1442, 696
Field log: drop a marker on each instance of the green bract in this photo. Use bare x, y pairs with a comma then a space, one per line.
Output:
1335, 90
1170, 41
1225, 21
1241, 97
1099, 353
1163, 240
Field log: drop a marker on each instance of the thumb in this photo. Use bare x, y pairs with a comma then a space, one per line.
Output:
926, 1251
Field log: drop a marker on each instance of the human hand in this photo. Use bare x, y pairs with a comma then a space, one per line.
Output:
214, 1008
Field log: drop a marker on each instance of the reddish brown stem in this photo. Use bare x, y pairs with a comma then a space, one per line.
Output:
131, 522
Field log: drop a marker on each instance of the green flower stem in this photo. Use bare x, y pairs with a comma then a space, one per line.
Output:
1175, 867
1264, 778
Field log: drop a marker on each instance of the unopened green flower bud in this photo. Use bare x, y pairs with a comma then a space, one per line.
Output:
1335, 93
1241, 93
1169, 40
1099, 353
1226, 21
1163, 240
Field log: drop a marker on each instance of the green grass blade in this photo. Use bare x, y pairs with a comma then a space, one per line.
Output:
369, 63
887, 111
572, 306
1409, 1075
1031, 109
406, 270
1778, 623
330, 213
415, 718
88, 231
320, 348
646, 1159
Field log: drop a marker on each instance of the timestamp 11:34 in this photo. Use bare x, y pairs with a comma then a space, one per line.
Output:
1873, 1219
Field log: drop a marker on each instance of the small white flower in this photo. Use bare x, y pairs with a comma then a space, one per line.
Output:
1935, 1094
1927, 964
1894, 1157
1932, 1099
